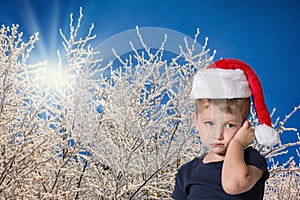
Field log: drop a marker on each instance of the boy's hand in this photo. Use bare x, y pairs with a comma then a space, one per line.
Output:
245, 134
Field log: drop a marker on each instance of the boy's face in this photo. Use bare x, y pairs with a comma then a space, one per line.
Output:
217, 128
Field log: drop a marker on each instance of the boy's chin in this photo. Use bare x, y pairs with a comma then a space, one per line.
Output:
218, 150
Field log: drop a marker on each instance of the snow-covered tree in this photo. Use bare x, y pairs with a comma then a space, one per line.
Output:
118, 131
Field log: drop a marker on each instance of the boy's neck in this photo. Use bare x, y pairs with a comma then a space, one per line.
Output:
213, 157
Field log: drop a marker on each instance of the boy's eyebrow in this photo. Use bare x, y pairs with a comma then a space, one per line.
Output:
205, 118
231, 120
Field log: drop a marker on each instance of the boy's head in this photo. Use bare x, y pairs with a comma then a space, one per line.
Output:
232, 80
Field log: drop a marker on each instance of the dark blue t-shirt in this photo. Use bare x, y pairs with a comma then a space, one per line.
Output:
198, 180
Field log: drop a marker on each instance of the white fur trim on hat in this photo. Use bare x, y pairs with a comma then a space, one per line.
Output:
265, 135
218, 83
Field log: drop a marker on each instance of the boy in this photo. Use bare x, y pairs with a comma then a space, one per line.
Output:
230, 169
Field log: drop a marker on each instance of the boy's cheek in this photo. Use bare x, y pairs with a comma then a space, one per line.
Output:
203, 136
208, 138
232, 135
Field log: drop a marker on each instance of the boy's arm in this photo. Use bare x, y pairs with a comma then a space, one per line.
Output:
237, 177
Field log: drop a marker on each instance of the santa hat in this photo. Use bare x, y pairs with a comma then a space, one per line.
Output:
231, 78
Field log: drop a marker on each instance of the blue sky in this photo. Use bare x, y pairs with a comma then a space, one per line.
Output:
263, 33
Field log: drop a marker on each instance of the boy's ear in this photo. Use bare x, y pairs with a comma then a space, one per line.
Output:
194, 118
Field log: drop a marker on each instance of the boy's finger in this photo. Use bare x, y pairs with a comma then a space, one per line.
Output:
247, 124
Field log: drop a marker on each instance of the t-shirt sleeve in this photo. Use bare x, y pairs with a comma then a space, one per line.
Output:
178, 192
254, 158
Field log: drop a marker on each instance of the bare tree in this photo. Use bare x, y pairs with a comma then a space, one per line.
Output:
118, 131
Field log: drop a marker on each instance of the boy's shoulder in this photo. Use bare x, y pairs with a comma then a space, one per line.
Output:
188, 166
250, 149
251, 152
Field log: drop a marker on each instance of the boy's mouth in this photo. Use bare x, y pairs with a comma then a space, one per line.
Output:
216, 144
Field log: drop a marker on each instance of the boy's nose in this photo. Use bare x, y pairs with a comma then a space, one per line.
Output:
219, 133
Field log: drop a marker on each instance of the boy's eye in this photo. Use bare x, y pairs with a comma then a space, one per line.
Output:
229, 126
209, 123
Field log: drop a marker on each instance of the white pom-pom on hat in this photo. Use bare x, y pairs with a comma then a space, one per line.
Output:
265, 135
216, 83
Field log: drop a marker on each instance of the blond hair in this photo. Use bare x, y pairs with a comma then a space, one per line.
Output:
231, 106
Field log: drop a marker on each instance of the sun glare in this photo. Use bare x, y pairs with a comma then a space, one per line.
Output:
54, 79
50, 75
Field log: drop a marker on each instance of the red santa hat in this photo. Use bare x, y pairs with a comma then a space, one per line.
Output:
231, 78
